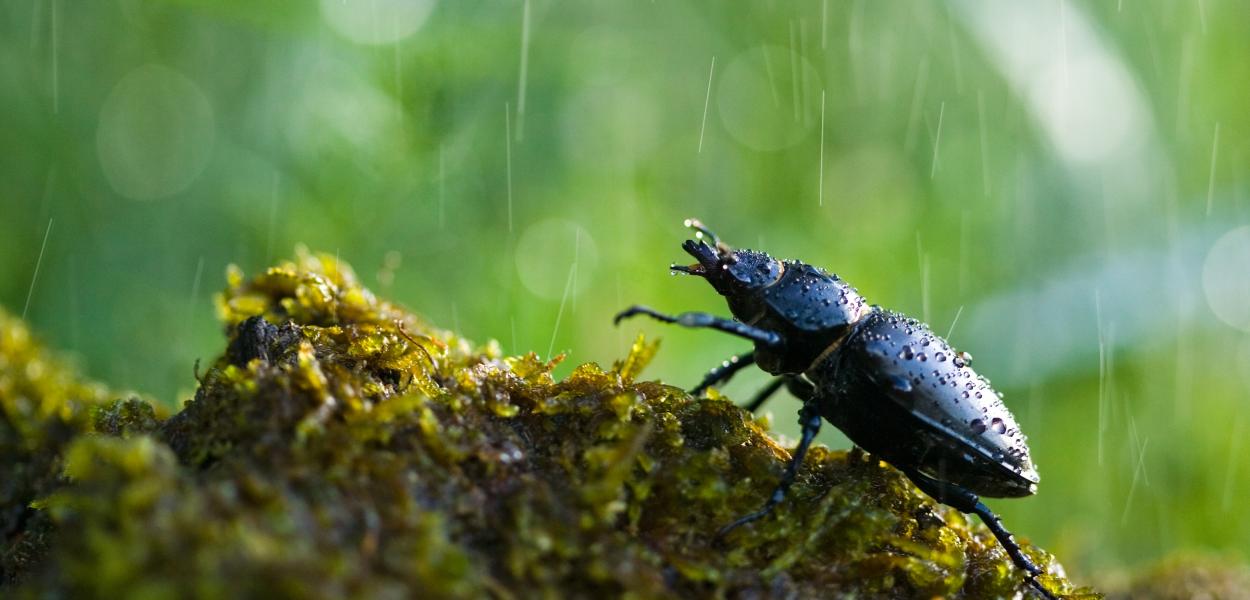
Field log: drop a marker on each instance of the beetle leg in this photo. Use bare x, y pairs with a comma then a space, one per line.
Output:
809, 418
698, 320
799, 387
764, 394
724, 372
965, 501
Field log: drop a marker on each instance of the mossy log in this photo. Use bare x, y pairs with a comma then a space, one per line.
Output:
343, 447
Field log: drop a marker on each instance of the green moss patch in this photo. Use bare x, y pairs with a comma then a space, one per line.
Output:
341, 446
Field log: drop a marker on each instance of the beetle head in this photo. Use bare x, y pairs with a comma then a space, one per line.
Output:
731, 272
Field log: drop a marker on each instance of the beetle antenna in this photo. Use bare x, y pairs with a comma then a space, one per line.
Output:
702, 231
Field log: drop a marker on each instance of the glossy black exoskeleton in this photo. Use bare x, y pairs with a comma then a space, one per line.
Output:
890, 384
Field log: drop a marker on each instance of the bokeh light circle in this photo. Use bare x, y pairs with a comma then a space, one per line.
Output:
1226, 278
769, 98
376, 21
618, 126
1243, 361
155, 134
546, 253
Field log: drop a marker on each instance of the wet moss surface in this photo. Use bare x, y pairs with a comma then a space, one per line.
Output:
1185, 576
341, 446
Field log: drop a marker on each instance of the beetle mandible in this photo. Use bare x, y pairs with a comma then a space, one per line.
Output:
889, 383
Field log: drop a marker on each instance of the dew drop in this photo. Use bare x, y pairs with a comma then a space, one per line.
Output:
901, 384
998, 426
978, 426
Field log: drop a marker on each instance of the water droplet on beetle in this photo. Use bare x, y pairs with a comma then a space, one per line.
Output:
978, 426
997, 425
967, 358
906, 353
901, 384
941, 357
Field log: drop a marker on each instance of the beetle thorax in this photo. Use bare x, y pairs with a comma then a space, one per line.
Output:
813, 310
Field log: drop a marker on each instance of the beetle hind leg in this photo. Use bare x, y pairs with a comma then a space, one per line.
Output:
965, 501
810, 419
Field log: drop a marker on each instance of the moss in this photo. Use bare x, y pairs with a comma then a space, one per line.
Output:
44, 405
343, 447
1186, 576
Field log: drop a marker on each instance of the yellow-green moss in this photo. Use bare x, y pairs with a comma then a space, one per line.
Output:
43, 406
1184, 576
344, 447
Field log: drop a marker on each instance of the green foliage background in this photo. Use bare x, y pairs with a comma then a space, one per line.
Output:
1047, 181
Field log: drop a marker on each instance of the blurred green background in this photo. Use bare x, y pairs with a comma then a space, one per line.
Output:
1061, 185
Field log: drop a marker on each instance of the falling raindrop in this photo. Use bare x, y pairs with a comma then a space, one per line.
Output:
544, 252
745, 105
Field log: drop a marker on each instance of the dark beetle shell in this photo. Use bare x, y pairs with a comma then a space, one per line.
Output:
813, 300
901, 392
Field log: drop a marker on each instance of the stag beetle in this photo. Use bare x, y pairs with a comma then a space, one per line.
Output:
890, 384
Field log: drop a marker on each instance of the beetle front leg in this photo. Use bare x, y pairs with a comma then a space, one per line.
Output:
723, 372
965, 501
810, 419
704, 320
